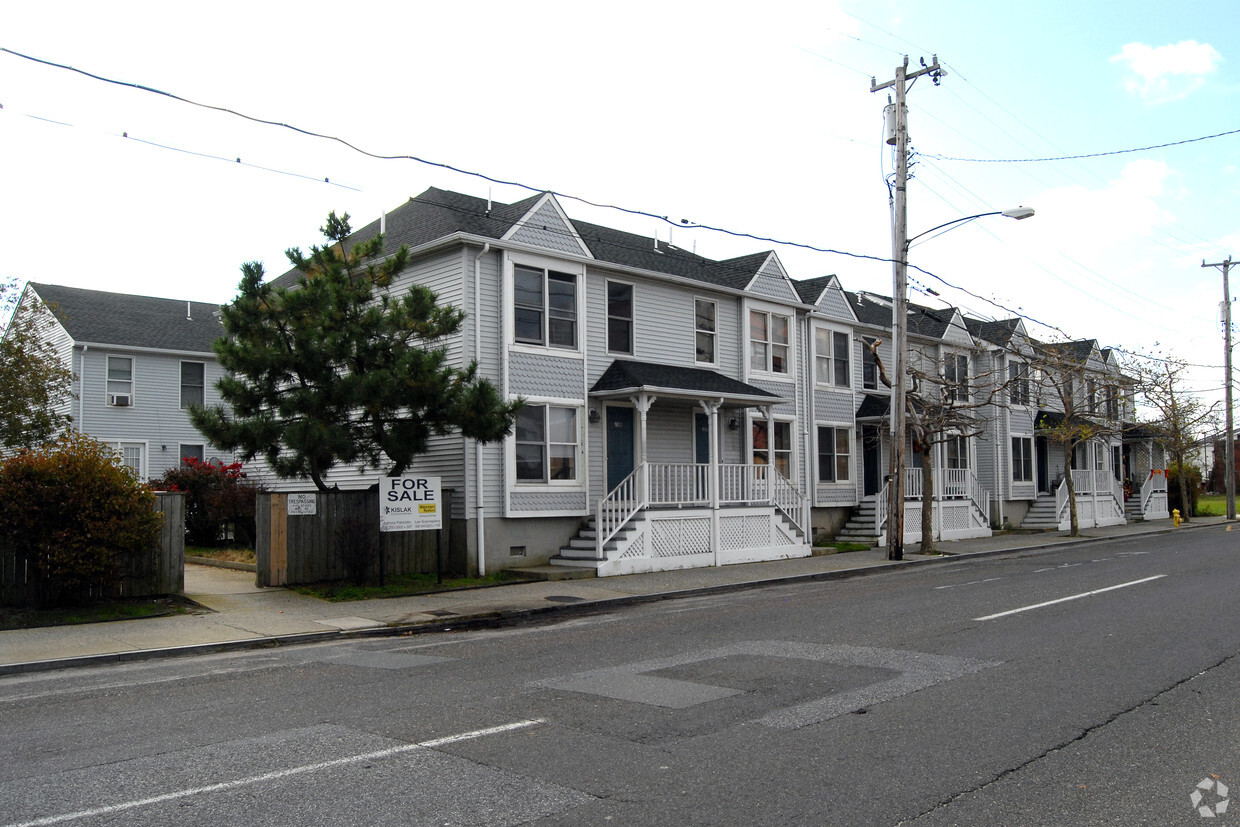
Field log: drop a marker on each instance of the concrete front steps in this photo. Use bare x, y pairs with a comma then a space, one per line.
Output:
860, 526
1041, 515
1132, 510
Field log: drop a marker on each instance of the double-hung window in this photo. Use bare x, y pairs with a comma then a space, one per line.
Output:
193, 384
120, 381
546, 443
1112, 401
831, 352
869, 366
772, 445
704, 330
544, 307
1022, 459
619, 317
1018, 383
834, 453
956, 375
768, 341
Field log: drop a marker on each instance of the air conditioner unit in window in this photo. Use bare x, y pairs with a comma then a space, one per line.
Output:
120, 400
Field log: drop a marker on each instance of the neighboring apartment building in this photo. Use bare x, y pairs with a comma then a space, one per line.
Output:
137, 362
681, 411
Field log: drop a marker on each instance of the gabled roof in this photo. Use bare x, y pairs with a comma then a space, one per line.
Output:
873, 406
626, 376
440, 213
96, 317
927, 322
998, 332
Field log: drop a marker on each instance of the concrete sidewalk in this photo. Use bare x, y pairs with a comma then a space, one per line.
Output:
239, 614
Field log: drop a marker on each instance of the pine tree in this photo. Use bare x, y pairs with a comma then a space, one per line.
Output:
339, 368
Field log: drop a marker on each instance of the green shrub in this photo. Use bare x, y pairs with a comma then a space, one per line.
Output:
215, 495
1193, 477
73, 513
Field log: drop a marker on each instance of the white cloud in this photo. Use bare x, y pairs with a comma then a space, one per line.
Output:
1163, 73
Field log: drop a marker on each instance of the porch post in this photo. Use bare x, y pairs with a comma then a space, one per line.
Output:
643, 402
770, 453
712, 476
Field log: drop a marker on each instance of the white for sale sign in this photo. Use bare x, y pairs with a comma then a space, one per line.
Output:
409, 503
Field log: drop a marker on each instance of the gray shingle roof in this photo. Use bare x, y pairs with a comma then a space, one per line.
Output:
997, 332
439, 213
98, 317
626, 375
928, 322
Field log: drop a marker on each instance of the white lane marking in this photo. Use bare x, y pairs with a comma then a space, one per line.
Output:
970, 583
275, 776
1072, 597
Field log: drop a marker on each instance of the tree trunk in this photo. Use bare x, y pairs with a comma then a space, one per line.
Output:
1075, 530
1186, 505
927, 499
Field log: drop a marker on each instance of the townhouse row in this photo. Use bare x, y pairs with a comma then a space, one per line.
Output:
681, 411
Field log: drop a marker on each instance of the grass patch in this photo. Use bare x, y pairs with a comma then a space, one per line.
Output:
400, 585
129, 608
1212, 505
228, 555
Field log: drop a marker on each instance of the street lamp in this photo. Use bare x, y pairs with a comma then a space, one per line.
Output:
899, 325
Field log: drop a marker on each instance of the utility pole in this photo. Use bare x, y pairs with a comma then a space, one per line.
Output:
1230, 475
899, 299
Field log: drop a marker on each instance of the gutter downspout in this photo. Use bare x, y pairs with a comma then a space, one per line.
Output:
479, 507
82, 392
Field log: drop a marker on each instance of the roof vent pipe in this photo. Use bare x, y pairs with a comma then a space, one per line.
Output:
189, 316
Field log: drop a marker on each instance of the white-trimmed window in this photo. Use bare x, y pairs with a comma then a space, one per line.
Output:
193, 384
547, 441
704, 330
956, 375
772, 444
544, 307
120, 381
834, 454
769, 341
131, 455
831, 353
869, 366
1022, 459
956, 450
1018, 383
619, 317
197, 452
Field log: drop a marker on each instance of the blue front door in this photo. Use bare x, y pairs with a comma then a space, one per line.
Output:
701, 441
619, 445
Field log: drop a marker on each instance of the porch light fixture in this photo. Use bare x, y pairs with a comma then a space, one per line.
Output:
899, 325
734, 424
594, 417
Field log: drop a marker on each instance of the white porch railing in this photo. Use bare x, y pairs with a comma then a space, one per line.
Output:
1098, 491
615, 510
880, 511
688, 484
1154, 494
679, 483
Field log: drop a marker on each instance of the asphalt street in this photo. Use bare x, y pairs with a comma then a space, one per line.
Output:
1089, 685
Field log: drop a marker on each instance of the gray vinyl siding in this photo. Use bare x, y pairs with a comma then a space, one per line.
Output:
834, 407
545, 228
445, 275
485, 314
787, 390
957, 333
834, 305
545, 374
771, 282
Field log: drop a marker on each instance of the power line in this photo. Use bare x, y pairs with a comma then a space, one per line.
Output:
1086, 155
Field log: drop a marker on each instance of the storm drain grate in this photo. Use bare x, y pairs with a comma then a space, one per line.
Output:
564, 598
440, 613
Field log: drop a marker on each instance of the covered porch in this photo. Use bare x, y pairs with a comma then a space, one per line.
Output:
674, 489
1097, 469
960, 504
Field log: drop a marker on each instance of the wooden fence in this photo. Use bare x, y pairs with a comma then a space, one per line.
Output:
344, 531
161, 570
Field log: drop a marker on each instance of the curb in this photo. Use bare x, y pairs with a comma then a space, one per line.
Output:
513, 617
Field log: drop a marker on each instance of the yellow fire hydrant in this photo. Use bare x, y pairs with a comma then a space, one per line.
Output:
1175, 517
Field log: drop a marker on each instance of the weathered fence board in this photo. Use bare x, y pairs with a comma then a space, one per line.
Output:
298, 548
161, 570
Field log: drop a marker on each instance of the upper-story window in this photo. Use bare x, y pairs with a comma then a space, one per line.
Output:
619, 317
120, 381
831, 352
193, 384
768, 341
1091, 396
1112, 401
869, 365
956, 376
704, 330
1018, 383
544, 307
546, 443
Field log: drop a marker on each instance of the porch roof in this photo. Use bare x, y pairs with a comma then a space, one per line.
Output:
873, 406
1046, 420
625, 377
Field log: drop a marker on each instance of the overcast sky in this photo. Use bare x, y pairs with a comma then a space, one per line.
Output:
756, 118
